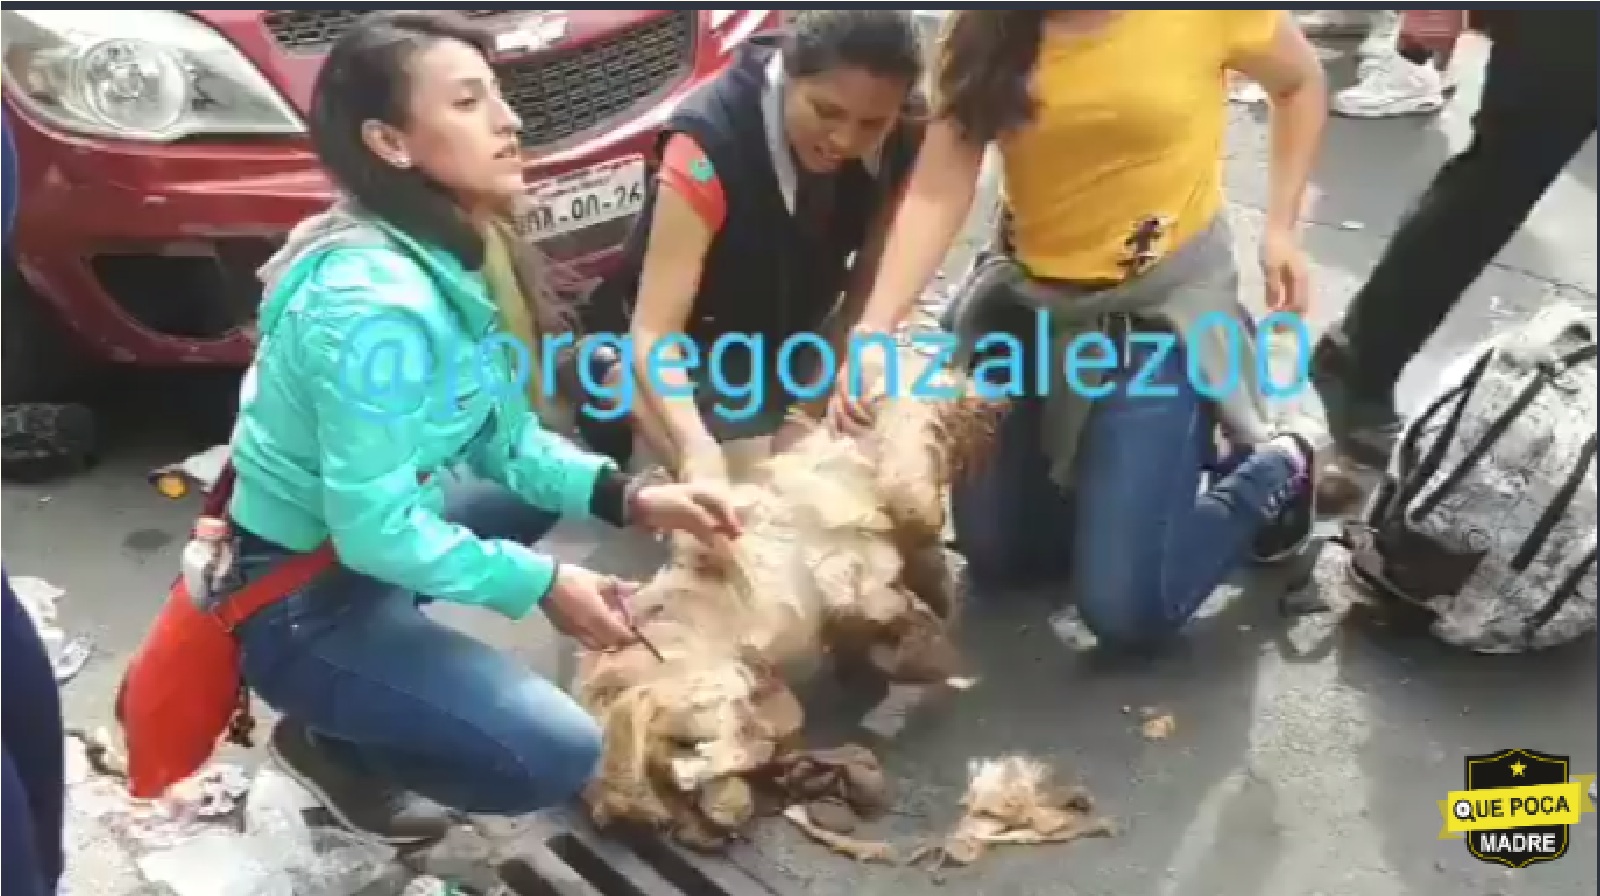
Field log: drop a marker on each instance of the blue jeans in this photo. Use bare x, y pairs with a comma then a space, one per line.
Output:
1144, 545
395, 694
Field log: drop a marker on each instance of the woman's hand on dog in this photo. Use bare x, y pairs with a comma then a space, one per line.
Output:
857, 389
590, 608
702, 508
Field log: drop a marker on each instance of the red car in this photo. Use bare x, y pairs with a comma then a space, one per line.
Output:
164, 156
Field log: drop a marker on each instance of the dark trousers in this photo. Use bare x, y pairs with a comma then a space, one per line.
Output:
1537, 112
34, 769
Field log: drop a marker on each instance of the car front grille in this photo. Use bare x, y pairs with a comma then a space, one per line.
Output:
311, 30
572, 92
558, 95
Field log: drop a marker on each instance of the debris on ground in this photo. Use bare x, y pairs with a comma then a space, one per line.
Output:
867, 852
277, 853
1015, 802
1157, 725
97, 789
1073, 633
216, 792
220, 833
42, 602
74, 657
849, 778
98, 754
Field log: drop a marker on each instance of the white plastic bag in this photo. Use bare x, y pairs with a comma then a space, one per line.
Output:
41, 600
277, 854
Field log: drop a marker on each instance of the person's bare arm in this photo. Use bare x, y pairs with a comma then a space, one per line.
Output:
863, 273
673, 263
1288, 69
938, 198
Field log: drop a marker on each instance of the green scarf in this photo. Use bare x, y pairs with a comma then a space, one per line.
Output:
510, 289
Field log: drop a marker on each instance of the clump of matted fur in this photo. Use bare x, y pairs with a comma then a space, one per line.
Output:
1014, 802
842, 552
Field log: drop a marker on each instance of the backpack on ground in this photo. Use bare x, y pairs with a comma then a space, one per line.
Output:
1486, 517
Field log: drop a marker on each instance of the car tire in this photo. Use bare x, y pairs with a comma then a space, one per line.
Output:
38, 361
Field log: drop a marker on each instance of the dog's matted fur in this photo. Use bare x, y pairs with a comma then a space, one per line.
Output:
842, 553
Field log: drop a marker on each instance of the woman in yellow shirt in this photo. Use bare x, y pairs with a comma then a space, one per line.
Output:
1110, 127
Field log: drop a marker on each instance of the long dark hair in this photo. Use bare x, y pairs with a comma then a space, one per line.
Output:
367, 77
883, 42
984, 73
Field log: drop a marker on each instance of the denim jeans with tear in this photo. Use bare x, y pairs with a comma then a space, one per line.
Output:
397, 695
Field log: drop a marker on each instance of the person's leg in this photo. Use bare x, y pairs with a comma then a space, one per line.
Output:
427, 708
1012, 522
1149, 547
1538, 109
1387, 37
1393, 78
30, 717
381, 702
1383, 34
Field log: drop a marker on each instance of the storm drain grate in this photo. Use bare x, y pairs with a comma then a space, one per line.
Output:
564, 855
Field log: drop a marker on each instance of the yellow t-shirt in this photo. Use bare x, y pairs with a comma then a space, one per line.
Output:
1128, 138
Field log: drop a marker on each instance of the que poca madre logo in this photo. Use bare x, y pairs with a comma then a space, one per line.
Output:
1518, 808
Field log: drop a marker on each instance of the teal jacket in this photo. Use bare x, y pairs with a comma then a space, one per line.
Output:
364, 385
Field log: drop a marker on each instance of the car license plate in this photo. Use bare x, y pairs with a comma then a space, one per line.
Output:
594, 195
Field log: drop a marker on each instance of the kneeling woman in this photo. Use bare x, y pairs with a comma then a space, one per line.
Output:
1110, 127
776, 186
351, 433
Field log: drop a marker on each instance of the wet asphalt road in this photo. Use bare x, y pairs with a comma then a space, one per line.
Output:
1306, 762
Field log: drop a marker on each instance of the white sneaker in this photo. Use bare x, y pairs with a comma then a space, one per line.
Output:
1392, 87
1371, 64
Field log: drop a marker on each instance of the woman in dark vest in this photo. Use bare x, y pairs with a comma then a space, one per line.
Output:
776, 183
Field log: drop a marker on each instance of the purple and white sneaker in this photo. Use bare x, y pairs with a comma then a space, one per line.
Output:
1294, 517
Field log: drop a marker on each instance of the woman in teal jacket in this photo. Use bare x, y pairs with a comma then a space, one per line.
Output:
353, 423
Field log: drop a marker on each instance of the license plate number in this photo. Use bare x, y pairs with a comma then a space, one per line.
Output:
595, 195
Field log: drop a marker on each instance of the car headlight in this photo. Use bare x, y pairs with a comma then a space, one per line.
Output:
155, 75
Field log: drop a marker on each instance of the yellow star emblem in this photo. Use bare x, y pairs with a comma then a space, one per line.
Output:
1518, 769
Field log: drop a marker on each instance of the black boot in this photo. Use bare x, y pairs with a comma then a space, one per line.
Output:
365, 806
1364, 429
